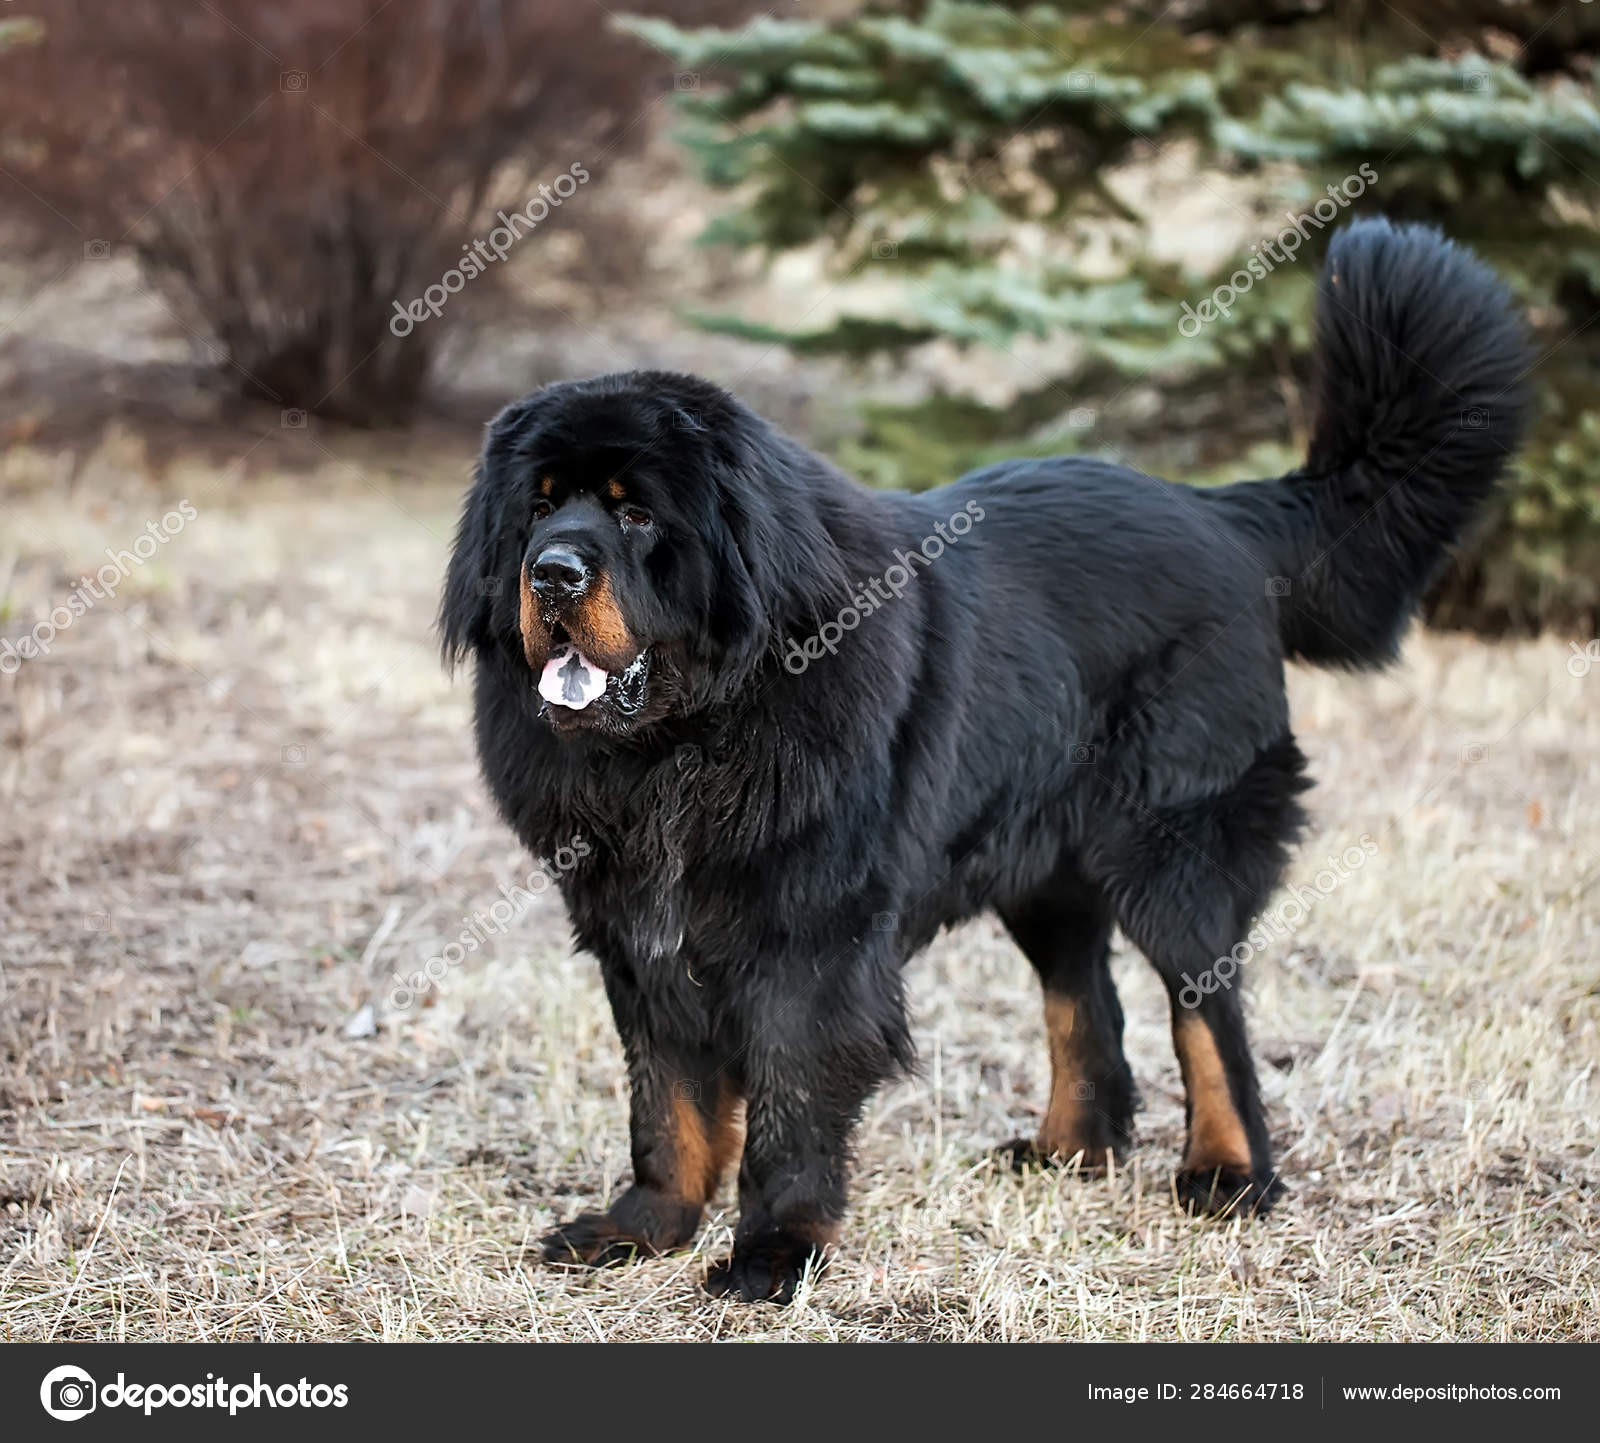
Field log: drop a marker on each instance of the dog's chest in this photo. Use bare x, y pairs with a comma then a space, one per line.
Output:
662, 927
663, 877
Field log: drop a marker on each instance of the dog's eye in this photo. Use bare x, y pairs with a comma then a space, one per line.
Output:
541, 509
636, 516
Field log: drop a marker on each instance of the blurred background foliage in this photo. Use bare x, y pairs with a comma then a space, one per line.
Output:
969, 160
999, 211
286, 171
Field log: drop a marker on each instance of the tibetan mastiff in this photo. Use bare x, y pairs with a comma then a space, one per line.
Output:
800, 726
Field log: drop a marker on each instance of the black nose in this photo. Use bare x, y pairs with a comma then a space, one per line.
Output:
558, 571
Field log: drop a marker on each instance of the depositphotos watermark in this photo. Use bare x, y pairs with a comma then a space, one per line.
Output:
1265, 256
1277, 924
89, 592
1584, 659
69, 1393
477, 927
481, 254
872, 595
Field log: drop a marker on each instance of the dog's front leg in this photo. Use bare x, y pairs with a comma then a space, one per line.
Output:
805, 1079
683, 1122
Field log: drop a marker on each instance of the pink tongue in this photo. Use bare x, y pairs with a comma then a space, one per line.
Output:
570, 679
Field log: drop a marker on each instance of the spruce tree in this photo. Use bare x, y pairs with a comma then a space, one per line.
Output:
966, 155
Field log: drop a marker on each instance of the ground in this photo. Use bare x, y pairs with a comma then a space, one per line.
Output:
239, 794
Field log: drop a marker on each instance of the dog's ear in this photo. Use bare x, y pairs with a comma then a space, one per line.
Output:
740, 626
776, 564
466, 607
476, 577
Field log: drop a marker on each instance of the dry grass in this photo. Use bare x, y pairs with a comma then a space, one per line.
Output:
191, 1148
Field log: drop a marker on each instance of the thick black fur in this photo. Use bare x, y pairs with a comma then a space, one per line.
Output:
1074, 716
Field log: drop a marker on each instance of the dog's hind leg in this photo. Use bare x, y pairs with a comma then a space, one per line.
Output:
1065, 930
1227, 1158
1187, 881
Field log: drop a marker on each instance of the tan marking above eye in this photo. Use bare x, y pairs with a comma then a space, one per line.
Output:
547, 485
614, 488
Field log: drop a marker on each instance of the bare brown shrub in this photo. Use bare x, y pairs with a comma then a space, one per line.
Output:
285, 173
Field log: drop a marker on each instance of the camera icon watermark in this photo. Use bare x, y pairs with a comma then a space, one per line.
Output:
1474, 418
96, 921
1081, 80
293, 419
1278, 586
686, 1091
293, 80
885, 921
1473, 753
490, 585
68, 1393
885, 250
686, 80
1081, 755
293, 755
97, 250
1474, 79
1080, 418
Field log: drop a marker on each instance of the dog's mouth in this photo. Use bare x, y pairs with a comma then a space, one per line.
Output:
571, 682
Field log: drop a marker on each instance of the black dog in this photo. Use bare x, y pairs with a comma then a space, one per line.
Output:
801, 726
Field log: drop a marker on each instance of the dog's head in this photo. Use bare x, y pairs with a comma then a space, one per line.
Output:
639, 541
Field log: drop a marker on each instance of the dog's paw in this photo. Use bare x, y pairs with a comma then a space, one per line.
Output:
1225, 1192
764, 1268
594, 1239
1022, 1153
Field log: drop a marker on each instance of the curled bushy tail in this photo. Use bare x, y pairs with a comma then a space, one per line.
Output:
1420, 355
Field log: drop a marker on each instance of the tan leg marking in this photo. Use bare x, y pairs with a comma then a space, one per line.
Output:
1216, 1134
703, 1149
1068, 1126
